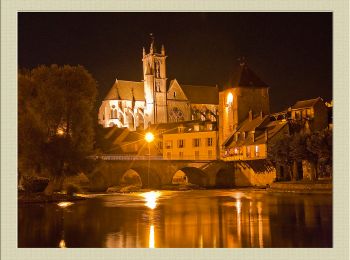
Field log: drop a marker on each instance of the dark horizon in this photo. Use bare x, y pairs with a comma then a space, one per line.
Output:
291, 52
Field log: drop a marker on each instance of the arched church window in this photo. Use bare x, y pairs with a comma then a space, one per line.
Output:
157, 86
157, 69
176, 115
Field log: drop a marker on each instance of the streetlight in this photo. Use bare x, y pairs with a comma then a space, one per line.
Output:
149, 137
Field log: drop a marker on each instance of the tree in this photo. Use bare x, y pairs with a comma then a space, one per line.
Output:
279, 153
320, 145
56, 118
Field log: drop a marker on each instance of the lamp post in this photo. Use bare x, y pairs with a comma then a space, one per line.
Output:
149, 137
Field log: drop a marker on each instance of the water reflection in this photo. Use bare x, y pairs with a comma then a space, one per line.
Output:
151, 237
181, 219
65, 204
151, 198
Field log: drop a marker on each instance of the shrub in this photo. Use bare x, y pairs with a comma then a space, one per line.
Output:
71, 189
34, 183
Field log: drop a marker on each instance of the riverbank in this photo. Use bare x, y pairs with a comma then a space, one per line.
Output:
324, 187
40, 197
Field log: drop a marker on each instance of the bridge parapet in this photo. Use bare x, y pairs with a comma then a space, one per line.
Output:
130, 157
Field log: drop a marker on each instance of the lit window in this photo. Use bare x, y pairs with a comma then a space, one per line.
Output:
180, 143
168, 144
210, 141
256, 151
248, 151
308, 112
236, 151
196, 142
229, 99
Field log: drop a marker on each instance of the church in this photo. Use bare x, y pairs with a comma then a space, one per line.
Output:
137, 105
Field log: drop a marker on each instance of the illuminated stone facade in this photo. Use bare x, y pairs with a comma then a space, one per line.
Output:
136, 105
246, 94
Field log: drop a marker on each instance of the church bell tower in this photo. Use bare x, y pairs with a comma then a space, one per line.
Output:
154, 77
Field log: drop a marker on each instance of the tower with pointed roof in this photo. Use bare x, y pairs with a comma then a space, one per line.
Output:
154, 76
246, 95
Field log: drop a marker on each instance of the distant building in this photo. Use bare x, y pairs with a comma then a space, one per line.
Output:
311, 113
247, 92
136, 105
196, 140
248, 147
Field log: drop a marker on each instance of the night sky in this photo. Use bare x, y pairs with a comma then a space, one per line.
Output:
291, 52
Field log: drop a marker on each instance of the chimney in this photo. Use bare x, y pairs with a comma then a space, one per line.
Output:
266, 135
250, 115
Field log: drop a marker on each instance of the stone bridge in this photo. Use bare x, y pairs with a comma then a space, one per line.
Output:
156, 172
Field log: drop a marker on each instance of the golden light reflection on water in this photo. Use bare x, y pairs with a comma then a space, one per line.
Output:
65, 204
239, 231
151, 198
151, 241
182, 220
260, 223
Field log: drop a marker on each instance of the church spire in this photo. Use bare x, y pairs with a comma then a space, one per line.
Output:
143, 52
151, 50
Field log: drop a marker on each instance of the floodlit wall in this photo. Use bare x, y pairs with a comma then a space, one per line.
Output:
190, 146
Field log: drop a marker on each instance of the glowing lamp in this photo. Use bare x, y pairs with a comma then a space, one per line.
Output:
229, 99
149, 137
60, 131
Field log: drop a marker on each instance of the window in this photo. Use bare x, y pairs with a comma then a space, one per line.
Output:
196, 142
210, 153
157, 86
168, 144
210, 141
196, 155
248, 151
297, 115
168, 155
229, 100
256, 151
236, 151
160, 145
180, 143
196, 128
308, 112
174, 94
181, 155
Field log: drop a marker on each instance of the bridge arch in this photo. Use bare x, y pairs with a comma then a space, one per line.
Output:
191, 175
141, 177
225, 179
131, 177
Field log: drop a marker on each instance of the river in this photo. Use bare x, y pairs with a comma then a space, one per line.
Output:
201, 218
